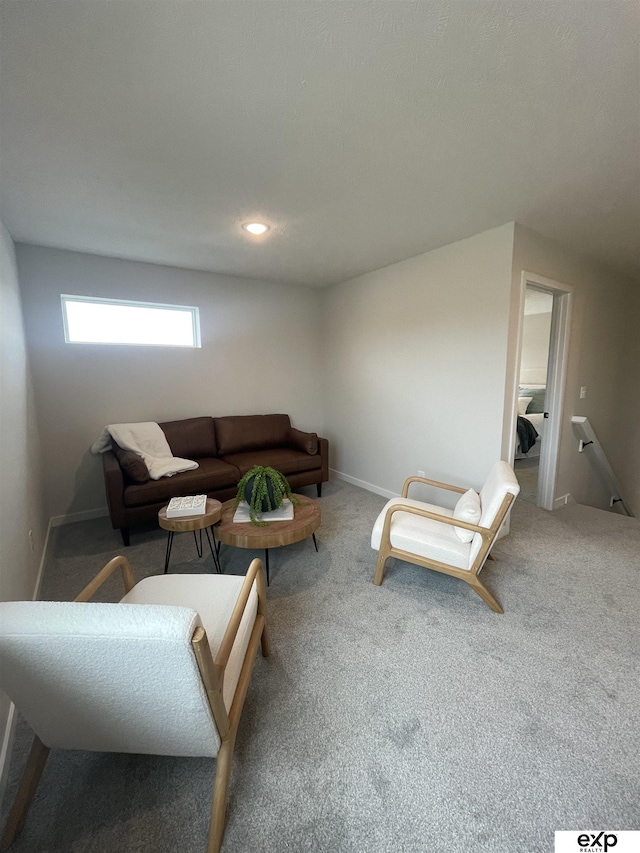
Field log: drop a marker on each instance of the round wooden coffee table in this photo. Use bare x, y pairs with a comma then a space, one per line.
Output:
187, 523
306, 520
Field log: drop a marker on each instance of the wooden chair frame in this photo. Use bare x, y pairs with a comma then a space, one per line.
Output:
470, 576
212, 674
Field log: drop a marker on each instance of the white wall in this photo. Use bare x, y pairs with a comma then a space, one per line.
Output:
415, 359
603, 335
21, 504
260, 353
626, 443
535, 348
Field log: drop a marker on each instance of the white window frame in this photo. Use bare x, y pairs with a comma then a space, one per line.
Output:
65, 298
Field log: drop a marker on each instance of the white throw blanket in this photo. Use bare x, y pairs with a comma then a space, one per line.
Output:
149, 442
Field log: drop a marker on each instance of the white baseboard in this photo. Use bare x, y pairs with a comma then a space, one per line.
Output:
72, 517
385, 493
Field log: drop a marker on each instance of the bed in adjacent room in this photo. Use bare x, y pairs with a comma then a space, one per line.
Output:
530, 421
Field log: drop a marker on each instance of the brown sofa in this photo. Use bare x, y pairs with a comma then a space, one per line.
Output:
225, 449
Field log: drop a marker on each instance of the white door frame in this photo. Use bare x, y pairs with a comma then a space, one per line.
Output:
556, 378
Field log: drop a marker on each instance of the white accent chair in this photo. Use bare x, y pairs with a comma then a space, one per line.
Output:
425, 534
165, 671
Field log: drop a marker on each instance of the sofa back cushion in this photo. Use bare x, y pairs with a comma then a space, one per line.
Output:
192, 438
248, 432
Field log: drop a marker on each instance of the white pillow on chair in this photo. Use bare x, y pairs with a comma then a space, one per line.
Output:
467, 509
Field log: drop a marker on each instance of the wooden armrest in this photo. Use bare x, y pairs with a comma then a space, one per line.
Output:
485, 532
103, 574
255, 573
436, 483
212, 672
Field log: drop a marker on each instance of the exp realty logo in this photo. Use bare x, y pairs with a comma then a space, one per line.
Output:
592, 843
597, 841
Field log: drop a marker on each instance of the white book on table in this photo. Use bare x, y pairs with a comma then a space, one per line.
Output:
283, 513
188, 505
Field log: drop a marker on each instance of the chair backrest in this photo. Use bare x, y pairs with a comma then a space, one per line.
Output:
107, 677
500, 482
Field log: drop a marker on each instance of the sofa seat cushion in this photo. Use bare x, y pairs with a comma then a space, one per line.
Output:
211, 474
423, 536
238, 433
191, 438
283, 459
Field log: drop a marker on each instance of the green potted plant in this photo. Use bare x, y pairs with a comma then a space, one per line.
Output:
264, 489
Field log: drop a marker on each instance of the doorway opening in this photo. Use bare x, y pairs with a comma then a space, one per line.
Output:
543, 343
532, 384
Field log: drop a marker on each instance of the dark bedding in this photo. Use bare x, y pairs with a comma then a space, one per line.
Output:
527, 434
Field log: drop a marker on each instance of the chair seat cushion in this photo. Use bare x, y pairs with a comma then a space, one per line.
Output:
423, 536
213, 597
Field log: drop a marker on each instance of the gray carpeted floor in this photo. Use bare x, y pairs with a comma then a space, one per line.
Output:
527, 474
405, 717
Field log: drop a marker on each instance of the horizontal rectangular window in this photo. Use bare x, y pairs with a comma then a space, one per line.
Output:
88, 320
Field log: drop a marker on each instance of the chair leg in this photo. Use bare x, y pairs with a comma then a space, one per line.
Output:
382, 559
478, 587
264, 641
219, 805
28, 784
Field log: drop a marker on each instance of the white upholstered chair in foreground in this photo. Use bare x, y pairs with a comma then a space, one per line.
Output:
456, 542
165, 671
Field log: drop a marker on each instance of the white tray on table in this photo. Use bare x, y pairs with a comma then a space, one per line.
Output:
283, 513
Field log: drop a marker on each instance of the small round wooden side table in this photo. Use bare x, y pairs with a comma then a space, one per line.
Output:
306, 520
188, 523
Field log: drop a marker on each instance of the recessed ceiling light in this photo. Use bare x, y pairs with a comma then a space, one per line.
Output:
256, 228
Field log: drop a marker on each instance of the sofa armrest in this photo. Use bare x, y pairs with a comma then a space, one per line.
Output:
114, 485
307, 442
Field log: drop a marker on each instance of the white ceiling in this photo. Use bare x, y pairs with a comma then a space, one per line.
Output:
364, 132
